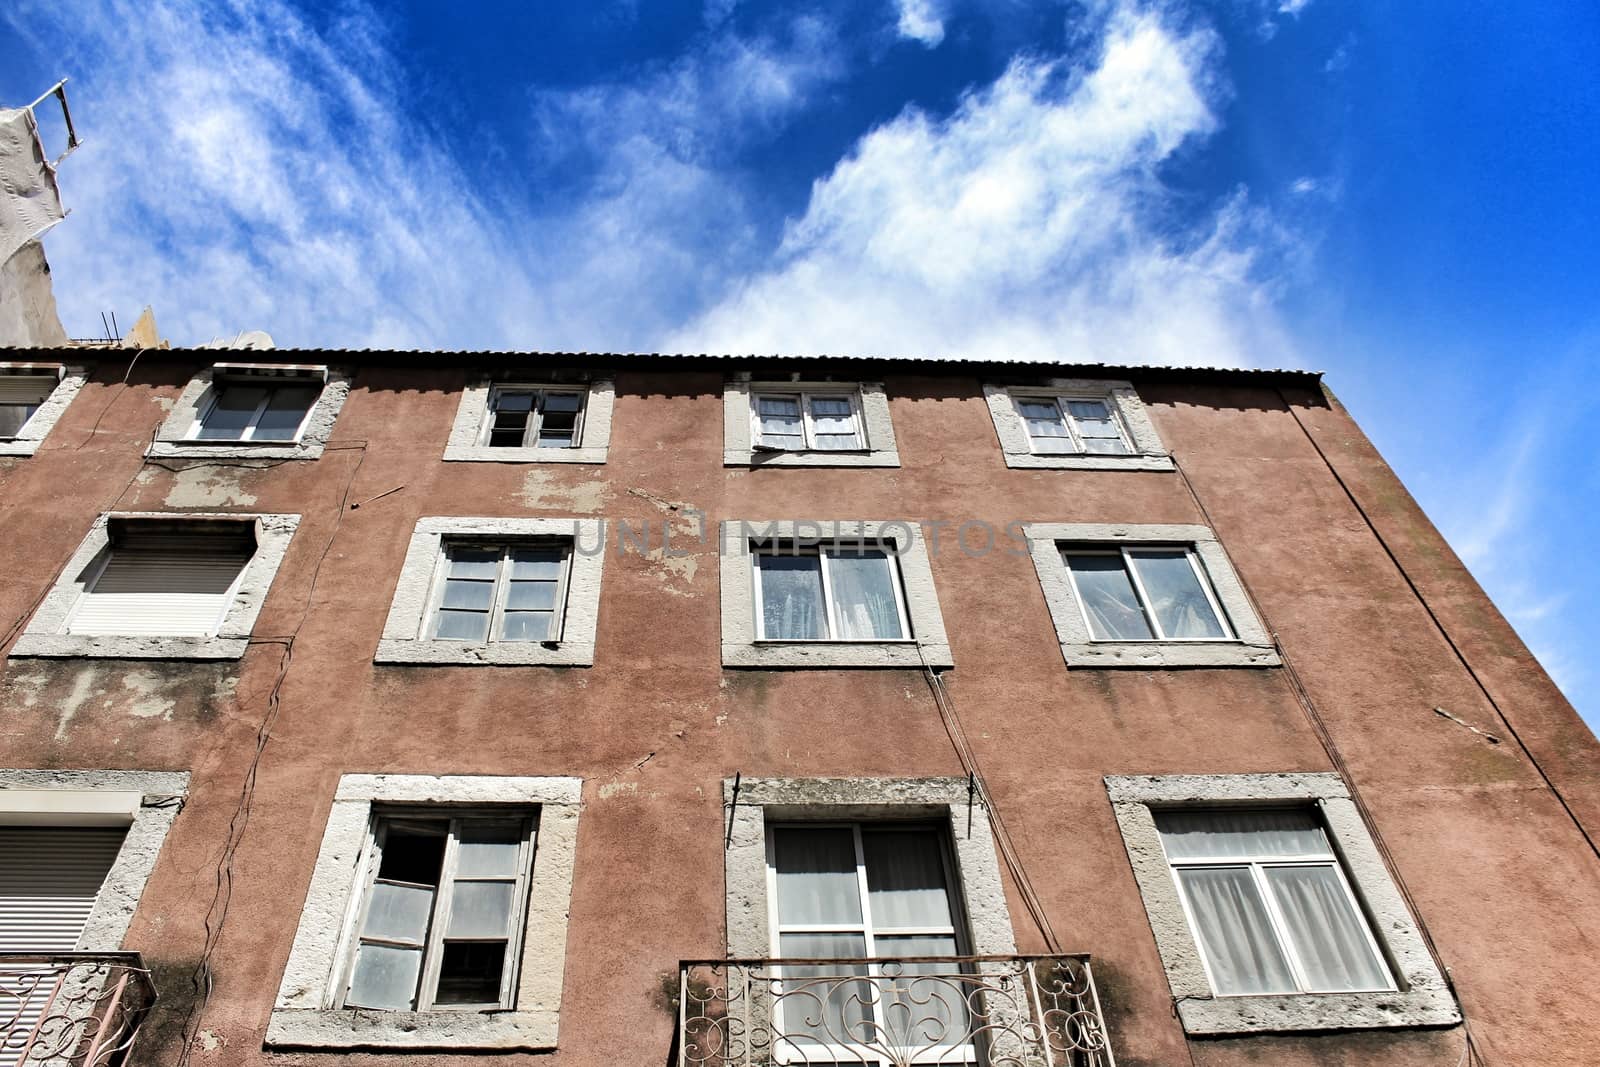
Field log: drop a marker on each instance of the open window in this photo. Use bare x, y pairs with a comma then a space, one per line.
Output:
254, 410
33, 397
506, 419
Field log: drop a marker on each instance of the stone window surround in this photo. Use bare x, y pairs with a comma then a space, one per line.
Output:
46, 636
173, 441
303, 1015
740, 648
403, 643
466, 433
146, 802
759, 800
70, 379
1017, 447
738, 425
1252, 647
1423, 999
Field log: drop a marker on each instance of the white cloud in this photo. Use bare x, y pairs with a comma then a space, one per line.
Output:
1030, 223
921, 20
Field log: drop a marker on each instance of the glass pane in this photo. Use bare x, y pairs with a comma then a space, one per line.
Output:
412, 856
824, 1004
470, 595
816, 873
12, 418
488, 849
778, 408
513, 402
905, 878
781, 426
468, 562
528, 626
230, 415
1084, 411
480, 909
834, 421
1108, 598
1046, 427
555, 439
508, 431
1097, 427
923, 1005
531, 596
286, 409
540, 563
562, 403
864, 605
1232, 928
385, 977
398, 913
1230, 833
470, 973
791, 597
1176, 596
1328, 934
463, 625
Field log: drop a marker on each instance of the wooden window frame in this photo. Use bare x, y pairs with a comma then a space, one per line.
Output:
820, 548
530, 432
439, 917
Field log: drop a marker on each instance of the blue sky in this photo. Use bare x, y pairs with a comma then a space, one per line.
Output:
1401, 194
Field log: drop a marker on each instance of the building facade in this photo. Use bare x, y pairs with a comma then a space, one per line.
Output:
429, 707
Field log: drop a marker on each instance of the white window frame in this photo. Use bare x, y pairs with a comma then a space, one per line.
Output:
501, 583
741, 424
469, 433
927, 645
530, 433
306, 1013
69, 381
178, 435
808, 422
1070, 423
1125, 553
439, 917
267, 385
47, 633
1249, 644
821, 550
408, 634
1269, 899
1421, 997
1128, 411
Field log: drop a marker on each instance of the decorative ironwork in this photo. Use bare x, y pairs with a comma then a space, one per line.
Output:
71, 1009
983, 1011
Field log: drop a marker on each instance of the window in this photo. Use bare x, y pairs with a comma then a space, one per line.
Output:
829, 594
254, 410
33, 397
1065, 425
534, 418
1145, 596
1271, 907
1269, 904
503, 420
513, 592
800, 421
436, 917
441, 922
1075, 424
159, 586
823, 592
862, 891
807, 424
502, 592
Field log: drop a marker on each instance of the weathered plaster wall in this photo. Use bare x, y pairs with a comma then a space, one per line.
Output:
1494, 865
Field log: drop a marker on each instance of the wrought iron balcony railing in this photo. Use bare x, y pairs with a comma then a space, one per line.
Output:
71, 1009
983, 1011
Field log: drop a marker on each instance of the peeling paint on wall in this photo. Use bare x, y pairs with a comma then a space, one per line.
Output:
205, 487
542, 490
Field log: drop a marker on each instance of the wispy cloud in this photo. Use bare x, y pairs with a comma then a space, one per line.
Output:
1031, 222
921, 20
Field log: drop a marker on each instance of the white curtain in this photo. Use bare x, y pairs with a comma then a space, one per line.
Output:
817, 882
1176, 597
1234, 931
791, 597
1329, 936
863, 596
1257, 833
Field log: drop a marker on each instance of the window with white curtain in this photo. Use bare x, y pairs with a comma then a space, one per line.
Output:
865, 892
1145, 593
829, 592
823, 422
1269, 903
1073, 424
441, 923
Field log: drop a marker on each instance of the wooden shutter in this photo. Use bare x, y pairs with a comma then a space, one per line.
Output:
163, 582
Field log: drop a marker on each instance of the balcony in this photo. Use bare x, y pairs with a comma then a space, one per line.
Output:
71, 1009
983, 1011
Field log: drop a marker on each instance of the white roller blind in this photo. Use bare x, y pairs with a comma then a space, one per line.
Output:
170, 591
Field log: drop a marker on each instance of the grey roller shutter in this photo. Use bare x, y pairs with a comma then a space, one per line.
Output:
26, 388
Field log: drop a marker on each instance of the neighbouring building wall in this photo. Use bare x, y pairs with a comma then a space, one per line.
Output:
28, 316
1378, 624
